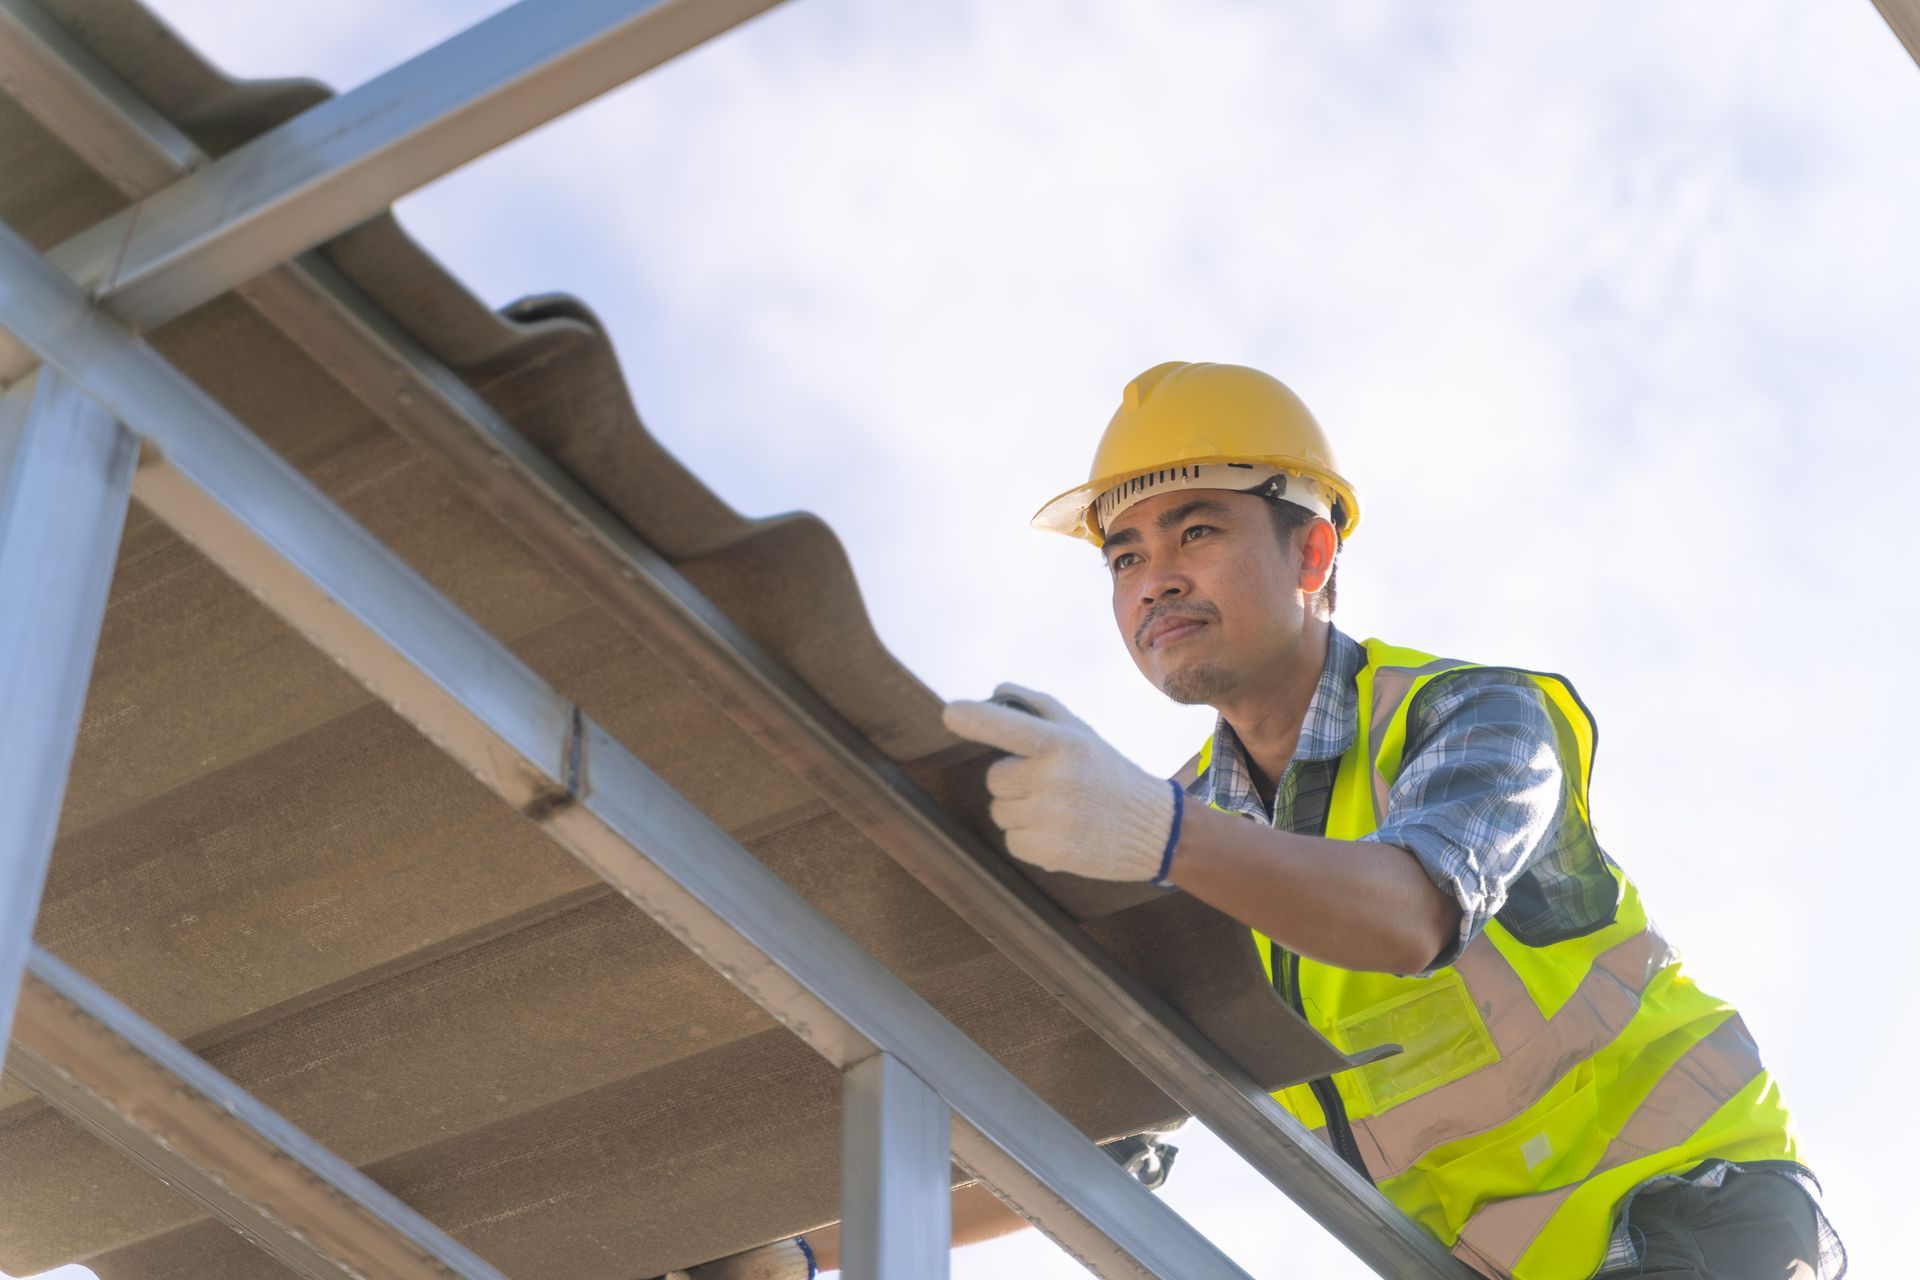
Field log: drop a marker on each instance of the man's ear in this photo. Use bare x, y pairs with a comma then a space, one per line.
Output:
1317, 550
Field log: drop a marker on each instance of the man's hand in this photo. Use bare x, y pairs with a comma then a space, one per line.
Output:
1068, 801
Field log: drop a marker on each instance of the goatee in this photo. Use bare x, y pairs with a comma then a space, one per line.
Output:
1200, 683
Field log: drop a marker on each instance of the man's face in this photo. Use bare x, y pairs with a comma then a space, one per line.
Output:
1204, 592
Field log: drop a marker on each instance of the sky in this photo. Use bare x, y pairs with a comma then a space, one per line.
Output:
1610, 310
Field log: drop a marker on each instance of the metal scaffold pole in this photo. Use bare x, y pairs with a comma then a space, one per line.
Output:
66, 468
895, 1210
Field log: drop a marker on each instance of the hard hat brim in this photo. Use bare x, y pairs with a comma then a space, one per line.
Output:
1071, 513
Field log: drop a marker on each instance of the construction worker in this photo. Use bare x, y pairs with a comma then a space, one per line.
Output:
1409, 839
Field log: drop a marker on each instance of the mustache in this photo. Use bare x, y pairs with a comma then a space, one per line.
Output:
1159, 613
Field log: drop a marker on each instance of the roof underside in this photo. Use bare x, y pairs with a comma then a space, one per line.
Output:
274, 868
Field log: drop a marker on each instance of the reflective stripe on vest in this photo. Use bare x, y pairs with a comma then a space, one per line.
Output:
1538, 1084
1533, 1051
1713, 1071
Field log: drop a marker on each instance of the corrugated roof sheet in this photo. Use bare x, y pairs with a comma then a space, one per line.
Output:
273, 867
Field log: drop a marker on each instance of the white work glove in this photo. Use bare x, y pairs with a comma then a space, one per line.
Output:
1068, 801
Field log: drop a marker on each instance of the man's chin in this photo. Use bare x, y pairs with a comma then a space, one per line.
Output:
1197, 683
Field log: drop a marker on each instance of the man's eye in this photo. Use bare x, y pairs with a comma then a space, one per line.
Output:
1191, 532
1123, 560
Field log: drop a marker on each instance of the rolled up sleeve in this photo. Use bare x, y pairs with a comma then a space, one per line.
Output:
1478, 793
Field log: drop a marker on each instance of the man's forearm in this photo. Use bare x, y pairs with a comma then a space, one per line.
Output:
1069, 802
1352, 903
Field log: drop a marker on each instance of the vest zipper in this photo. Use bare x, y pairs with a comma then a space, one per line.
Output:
1286, 976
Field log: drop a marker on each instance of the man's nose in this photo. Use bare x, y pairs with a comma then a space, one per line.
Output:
1163, 587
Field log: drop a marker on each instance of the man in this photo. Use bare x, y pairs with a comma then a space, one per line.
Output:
1409, 839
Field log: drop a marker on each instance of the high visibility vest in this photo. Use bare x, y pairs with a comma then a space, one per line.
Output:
1537, 1084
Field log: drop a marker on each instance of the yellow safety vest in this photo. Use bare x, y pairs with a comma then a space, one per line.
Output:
1537, 1085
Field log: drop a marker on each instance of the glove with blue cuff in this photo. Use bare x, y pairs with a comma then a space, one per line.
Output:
1067, 800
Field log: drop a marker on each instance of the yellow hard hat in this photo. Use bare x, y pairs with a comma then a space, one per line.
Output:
1205, 426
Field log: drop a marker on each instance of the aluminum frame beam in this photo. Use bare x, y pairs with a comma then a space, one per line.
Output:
351, 156
896, 1199
79, 101
427, 403
124, 1080
66, 470
243, 506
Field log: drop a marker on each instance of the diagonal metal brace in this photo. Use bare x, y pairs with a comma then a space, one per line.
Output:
124, 1080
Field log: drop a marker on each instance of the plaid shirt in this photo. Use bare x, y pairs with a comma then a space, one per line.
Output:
1478, 799
1481, 801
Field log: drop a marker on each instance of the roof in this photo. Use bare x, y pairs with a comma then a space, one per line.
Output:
276, 869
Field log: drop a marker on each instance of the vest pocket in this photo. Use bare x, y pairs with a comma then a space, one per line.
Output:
1440, 1034
1499, 1189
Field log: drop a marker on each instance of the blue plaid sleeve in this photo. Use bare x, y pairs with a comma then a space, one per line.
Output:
1479, 791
